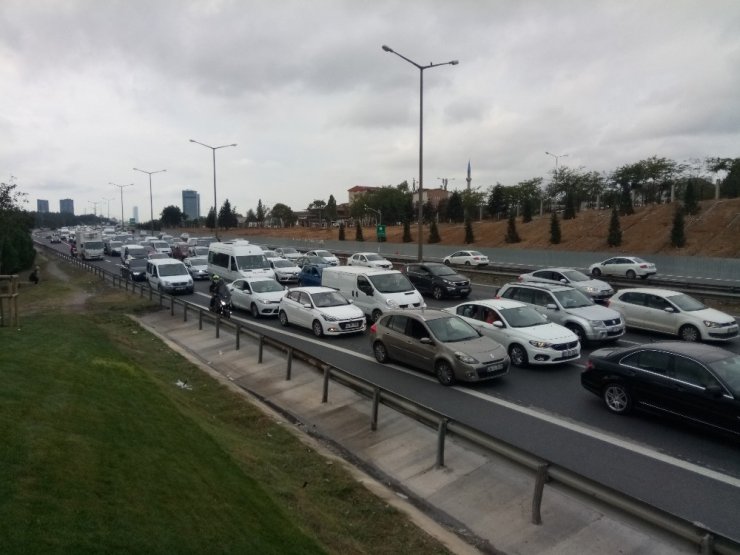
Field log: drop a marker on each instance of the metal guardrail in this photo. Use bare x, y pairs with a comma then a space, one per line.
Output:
707, 541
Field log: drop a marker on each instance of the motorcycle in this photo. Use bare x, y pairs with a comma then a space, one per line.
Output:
221, 305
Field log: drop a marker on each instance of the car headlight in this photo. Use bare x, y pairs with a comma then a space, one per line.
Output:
329, 318
540, 344
391, 303
590, 289
597, 323
466, 358
711, 324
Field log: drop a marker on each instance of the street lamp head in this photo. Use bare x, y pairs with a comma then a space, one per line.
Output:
387, 48
454, 62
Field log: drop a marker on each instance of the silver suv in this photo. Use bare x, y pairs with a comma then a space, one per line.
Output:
568, 307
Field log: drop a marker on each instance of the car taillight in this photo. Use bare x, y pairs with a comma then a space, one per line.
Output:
589, 365
608, 302
476, 258
373, 328
520, 278
643, 265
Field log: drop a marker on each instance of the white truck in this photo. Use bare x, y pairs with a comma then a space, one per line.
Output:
89, 245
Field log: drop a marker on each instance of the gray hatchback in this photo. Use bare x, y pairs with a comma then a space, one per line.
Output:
436, 341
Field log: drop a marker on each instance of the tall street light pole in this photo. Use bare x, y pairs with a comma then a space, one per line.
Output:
120, 188
557, 157
107, 200
215, 204
151, 203
421, 136
95, 206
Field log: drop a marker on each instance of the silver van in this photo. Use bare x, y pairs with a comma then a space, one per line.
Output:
169, 276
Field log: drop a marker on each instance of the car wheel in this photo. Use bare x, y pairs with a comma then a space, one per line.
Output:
578, 330
595, 272
380, 352
644, 277
518, 355
631, 274
689, 333
159, 288
283, 318
444, 373
375, 316
437, 292
318, 330
254, 311
447, 262
617, 398
467, 262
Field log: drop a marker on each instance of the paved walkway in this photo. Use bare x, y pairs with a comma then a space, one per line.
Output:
476, 503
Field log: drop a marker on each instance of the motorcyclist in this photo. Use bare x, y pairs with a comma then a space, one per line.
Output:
218, 290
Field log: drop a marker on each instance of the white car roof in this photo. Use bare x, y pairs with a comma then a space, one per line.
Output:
499, 304
651, 290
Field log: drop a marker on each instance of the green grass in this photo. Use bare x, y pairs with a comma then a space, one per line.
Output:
102, 453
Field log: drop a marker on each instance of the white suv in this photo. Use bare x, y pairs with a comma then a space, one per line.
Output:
321, 309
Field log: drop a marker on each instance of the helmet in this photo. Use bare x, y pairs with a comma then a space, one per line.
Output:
215, 277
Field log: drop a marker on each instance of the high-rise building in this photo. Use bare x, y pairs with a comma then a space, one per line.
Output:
191, 204
136, 214
42, 206
67, 206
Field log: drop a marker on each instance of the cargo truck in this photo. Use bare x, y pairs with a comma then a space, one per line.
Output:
89, 245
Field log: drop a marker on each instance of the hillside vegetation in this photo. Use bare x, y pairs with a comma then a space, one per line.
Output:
714, 231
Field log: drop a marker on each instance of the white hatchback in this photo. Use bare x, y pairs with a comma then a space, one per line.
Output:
528, 336
370, 260
672, 312
468, 258
326, 255
322, 310
260, 296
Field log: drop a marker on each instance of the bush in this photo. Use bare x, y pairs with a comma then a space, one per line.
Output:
511, 234
469, 237
614, 238
358, 232
555, 235
434, 233
678, 233
407, 232
341, 232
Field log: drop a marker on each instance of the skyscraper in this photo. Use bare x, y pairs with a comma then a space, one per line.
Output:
136, 214
67, 205
191, 204
42, 206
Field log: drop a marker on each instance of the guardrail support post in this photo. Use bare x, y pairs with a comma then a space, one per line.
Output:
441, 435
151, 293
289, 369
161, 299
172, 306
706, 545
238, 335
539, 486
218, 326
185, 312
200, 319
261, 348
376, 403
325, 392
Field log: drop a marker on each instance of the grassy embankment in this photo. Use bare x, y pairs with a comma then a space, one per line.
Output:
103, 453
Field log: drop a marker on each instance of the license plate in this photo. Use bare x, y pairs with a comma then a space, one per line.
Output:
494, 367
352, 325
465, 290
570, 353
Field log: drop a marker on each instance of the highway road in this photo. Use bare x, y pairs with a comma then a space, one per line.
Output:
547, 412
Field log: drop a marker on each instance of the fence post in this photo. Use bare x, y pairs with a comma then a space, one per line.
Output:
184, 312
172, 306
376, 403
238, 335
289, 369
200, 318
218, 326
539, 486
161, 299
261, 347
325, 392
441, 434
151, 293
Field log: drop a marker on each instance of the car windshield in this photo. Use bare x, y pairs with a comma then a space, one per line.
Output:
160, 245
137, 252
686, 303
523, 317
201, 251
728, 369
441, 270
575, 275
94, 245
137, 264
266, 286
198, 261
166, 270
572, 298
639, 260
391, 283
328, 298
289, 250
252, 262
374, 257
282, 263
452, 329
323, 253
115, 244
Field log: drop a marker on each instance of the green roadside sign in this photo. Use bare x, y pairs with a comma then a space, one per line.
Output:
380, 231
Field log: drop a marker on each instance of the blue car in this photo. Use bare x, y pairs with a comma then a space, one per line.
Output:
310, 275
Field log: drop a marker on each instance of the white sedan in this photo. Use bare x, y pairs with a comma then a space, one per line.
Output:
468, 258
673, 312
260, 296
322, 310
623, 266
369, 259
326, 255
528, 336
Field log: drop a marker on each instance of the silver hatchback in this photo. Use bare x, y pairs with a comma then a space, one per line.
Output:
439, 342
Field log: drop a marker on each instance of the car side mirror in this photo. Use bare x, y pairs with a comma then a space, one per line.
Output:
307, 305
426, 341
713, 390
551, 306
498, 324
564, 281
670, 309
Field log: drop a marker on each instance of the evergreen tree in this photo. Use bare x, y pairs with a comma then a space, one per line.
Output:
527, 211
226, 217
570, 206
511, 234
555, 235
455, 210
407, 232
469, 237
690, 203
331, 208
625, 202
211, 219
260, 212
434, 233
678, 234
615, 230
358, 232
341, 231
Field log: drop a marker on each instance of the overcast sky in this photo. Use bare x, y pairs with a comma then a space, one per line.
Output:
91, 89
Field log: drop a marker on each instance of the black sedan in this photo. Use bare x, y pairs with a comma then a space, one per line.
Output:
695, 382
438, 280
134, 269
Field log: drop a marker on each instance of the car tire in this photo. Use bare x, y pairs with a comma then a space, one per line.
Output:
444, 373
631, 274
617, 398
447, 262
689, 333
578, 330
437, 293
380, 352
375, 316
283, 318
317, 329
595, 272
467, 262
518, 356
254, 311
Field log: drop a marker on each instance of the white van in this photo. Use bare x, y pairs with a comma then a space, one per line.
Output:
238, 259
374, 290
169, 276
